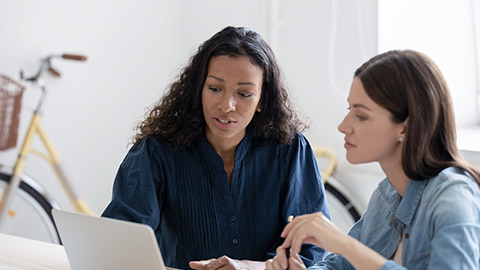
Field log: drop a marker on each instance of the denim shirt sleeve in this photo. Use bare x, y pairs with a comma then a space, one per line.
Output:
391, 265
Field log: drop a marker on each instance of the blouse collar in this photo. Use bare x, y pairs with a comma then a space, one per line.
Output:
240, 152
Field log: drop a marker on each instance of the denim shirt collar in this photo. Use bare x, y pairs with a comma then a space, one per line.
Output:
409, 204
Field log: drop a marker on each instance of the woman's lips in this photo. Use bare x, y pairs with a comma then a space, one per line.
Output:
348, 144
223, 123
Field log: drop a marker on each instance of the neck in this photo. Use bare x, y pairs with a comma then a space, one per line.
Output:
396, 176
225, 148
393, 169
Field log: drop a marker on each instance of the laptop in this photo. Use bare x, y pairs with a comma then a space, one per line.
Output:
101, 243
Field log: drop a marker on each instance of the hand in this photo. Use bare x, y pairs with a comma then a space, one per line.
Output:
225, 263
313, 229
279, 262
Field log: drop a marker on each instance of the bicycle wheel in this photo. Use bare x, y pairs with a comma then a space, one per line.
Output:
342, 211
31, 214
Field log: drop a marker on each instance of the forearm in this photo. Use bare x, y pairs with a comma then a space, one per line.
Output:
361, 256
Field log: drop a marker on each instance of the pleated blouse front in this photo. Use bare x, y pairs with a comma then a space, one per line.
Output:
185, 196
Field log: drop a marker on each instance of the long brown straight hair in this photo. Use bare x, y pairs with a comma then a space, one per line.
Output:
410, 85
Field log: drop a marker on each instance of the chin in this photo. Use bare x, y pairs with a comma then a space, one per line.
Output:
354, 160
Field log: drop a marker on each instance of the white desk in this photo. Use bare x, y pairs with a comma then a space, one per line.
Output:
17, 253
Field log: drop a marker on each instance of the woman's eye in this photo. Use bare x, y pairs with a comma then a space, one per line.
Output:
361, 118
244, 94
212, 88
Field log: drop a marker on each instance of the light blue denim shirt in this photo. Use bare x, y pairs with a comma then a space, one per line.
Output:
440, 218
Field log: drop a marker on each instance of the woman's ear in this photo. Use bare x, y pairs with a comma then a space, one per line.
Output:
404, 128
259, 106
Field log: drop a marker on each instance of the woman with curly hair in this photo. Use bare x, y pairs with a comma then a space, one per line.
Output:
426, 213
220, 162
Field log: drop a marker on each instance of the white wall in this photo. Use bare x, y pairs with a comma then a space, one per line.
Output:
136, 48
321, 43
446, 36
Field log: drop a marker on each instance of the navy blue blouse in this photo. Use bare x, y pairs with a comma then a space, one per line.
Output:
184, 195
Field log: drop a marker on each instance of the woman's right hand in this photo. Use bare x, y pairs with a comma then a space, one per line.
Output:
314, 229
317, 229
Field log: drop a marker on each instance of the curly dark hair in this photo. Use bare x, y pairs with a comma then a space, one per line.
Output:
178, 116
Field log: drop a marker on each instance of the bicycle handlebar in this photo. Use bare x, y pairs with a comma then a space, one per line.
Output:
54, 72
75, 57
45, 65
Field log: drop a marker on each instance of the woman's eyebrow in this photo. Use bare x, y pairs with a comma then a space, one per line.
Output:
222, 80
216, 78
359, 105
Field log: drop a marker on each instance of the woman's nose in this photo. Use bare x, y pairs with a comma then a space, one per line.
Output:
343, 127
227, 103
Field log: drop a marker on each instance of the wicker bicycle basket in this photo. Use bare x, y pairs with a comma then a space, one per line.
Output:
10, 104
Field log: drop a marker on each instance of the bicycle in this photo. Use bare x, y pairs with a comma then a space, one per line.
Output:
25, 209
343, 210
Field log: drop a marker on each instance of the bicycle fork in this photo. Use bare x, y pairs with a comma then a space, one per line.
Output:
9, 193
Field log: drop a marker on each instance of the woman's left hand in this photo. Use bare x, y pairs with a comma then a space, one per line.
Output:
314, 229
226, 263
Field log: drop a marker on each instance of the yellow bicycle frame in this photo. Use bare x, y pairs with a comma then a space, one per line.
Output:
325, 152
52, 158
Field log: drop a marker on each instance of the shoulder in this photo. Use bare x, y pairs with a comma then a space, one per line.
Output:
453, 196
150, 147
299, 143
451, 183
150, 143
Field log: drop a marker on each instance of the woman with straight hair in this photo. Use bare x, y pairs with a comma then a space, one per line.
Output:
426, 213
219, 163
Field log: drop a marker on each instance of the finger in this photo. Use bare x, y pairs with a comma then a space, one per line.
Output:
281, 258
290, 224
199, 264
277, 266
295, 263
268, 265
273, 264
297, 240
287, 228
218, 263
297, 237
293, 227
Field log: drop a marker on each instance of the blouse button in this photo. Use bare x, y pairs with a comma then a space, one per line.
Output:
407, 235
233, 218
235, 241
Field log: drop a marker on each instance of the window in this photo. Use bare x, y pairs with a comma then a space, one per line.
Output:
447, 31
